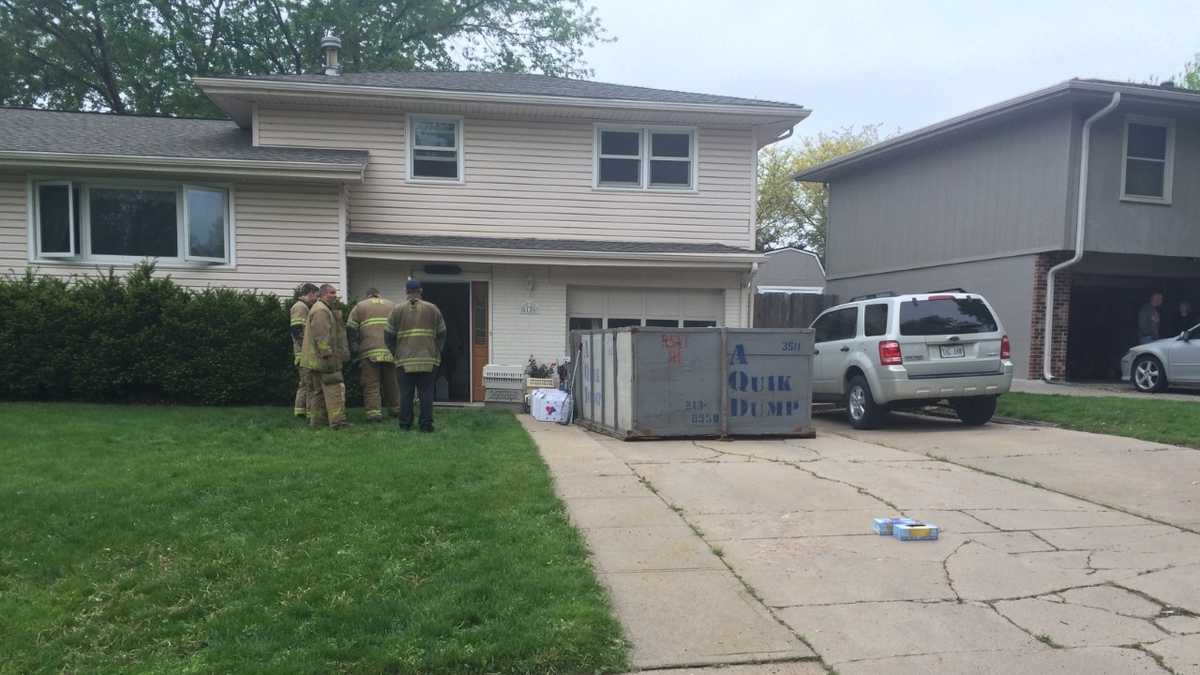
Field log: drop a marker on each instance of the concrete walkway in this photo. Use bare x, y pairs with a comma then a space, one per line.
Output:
681, 606
1100, 389
1085, 560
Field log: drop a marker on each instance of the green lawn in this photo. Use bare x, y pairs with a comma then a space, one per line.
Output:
139, 539
1150, 419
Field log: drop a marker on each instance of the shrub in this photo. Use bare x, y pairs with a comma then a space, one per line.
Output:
142, 338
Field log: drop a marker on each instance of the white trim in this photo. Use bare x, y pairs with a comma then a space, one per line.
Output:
754, 187
215, 85
343, 229
411, 146
645, 149
1168, 161
83, 255
248, 167
73, 246
792, 289
254, 124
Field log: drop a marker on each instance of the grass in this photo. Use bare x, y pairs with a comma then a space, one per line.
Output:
137, 539
1148, 419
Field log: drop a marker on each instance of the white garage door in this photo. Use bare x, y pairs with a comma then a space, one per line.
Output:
599, 307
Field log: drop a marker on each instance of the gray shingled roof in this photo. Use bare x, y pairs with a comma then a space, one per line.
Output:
24, 130
519, 83
1096, 90
439, 241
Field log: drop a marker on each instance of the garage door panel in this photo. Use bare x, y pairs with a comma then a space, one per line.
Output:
646, 303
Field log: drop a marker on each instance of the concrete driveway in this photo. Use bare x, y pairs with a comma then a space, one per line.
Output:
1061, 551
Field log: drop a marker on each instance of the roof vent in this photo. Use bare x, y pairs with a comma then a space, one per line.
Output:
330, 44
1167, 84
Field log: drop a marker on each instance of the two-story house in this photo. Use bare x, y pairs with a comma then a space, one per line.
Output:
1096, 178
527, 205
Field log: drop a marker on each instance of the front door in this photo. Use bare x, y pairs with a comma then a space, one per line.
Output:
479, 336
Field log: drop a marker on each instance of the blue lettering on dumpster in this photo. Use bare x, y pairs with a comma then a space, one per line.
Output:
746, 389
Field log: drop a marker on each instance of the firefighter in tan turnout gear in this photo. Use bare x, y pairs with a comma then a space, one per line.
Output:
377, 368
416, 334
322, 354
306, 295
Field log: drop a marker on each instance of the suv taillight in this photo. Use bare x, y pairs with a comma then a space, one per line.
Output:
889, 353
1005, 348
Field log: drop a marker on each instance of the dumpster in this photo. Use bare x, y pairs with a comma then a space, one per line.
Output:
642, 382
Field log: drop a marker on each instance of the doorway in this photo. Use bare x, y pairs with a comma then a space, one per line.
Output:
454, 376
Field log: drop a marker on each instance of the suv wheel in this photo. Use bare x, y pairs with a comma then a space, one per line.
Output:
861, 408
1148, 376
975, 411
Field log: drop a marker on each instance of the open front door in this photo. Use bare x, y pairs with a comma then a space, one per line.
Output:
479, 337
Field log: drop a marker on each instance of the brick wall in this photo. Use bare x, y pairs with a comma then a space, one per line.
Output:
1062, 315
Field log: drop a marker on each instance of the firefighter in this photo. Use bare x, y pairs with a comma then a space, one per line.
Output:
416, 334
377, 368
306, 295
322, 353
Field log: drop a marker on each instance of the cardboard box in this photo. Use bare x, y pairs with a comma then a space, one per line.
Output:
883, 526
915, 531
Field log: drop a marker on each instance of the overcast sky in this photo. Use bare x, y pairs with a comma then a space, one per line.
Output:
903, 64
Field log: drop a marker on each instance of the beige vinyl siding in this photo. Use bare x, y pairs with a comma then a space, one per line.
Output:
284, 235
527, 178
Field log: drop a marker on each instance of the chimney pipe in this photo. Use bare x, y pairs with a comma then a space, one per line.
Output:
330, 45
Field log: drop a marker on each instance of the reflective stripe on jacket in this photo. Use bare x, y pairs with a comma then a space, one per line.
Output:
298, 314
420, 333
370, 319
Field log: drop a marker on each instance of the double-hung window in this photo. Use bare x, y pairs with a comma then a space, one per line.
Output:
435, 148
122, 222
642, 158
1146, 172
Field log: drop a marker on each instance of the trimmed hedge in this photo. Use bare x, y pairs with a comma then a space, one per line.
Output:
142, 339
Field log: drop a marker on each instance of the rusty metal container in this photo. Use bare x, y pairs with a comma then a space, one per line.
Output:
643, 382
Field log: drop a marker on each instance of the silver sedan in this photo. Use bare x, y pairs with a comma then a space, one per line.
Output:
1173, 361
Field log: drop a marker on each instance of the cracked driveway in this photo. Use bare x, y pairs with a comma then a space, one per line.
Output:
1060, 552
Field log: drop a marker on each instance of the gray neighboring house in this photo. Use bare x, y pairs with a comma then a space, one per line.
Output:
991, 200
790, 270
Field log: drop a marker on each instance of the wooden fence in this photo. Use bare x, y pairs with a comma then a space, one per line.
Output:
789, 310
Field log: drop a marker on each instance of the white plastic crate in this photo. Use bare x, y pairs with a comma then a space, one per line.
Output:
503, 396
504, 377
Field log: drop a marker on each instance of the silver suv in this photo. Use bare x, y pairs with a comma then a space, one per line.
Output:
885, 352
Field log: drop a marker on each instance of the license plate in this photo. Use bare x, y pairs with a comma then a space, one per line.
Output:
953, 351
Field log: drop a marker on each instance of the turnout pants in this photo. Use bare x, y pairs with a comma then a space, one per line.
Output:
301, 408
423, 384
326, 399
380, 390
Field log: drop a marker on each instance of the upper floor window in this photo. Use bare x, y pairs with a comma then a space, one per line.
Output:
435, 148
1149, 154
646, 158
118, 222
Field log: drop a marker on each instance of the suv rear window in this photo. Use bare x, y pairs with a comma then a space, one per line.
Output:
946, 316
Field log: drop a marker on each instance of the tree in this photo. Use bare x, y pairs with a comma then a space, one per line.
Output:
1190, 79
792, 213
138, 56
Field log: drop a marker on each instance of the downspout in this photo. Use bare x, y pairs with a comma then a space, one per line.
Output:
1080, 234
751, 295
